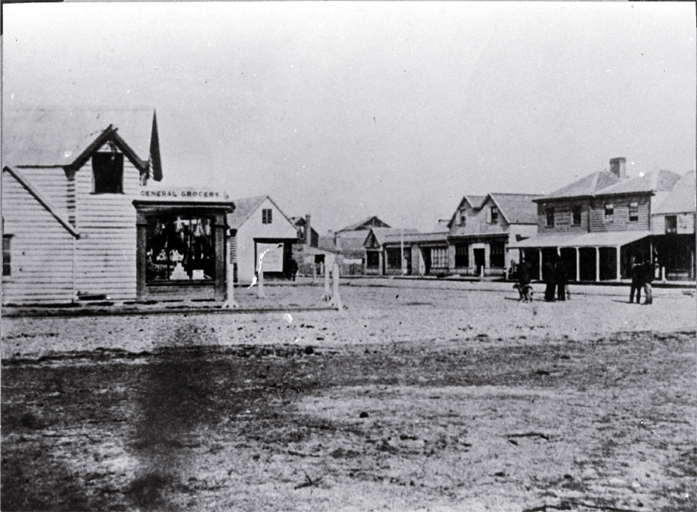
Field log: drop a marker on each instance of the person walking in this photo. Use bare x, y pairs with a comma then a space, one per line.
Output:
637, 276
292, 269
549, 278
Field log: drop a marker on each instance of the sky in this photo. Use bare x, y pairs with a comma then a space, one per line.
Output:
344, 110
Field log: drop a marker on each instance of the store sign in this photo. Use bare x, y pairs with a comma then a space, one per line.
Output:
271, 256
184, 194
686, 223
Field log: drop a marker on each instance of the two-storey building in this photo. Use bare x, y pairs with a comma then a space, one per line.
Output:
482, 230
598, 224
673, 231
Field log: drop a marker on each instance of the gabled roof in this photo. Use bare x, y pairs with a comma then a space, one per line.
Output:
382, 234
326, 243
475, 202
365, 225
682, 198
42, 200
585, 186
516, 208
656, 181
245, 207
60, 137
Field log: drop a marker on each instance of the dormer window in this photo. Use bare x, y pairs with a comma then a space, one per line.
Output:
107, 173
494, 215
463, 218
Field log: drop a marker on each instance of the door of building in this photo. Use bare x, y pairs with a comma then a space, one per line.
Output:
479, 259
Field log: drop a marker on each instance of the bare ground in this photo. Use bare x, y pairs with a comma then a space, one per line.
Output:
417, 397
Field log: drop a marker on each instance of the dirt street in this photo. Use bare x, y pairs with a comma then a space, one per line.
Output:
417, 397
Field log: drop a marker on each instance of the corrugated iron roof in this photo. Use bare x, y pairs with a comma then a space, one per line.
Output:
246, 206
585, 186
381, 234
656, 181
608, 239
372, 221
682, 198
411, 238
517, 208
57, 136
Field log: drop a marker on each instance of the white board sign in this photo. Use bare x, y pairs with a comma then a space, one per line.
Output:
272, 260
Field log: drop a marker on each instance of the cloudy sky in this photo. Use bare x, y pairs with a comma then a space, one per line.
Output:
345, 110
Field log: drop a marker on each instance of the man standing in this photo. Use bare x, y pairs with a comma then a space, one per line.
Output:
561, 278
549, 278
648, 274
637, 281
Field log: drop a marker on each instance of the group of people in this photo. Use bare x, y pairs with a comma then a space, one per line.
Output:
556, 278
642, 275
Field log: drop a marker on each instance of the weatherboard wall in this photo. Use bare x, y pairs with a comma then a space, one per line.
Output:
106, 250
41, 249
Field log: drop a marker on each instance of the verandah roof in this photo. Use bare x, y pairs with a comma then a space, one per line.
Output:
611, 239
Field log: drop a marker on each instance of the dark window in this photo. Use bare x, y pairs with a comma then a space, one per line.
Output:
671, 224
107, 169
494, 215
439, 257
462, 256
463, 218
550, 217
633, 212
266, 216
180, 248
497, 257
394, 258
6, 255
609, 213
372, 259
576, 216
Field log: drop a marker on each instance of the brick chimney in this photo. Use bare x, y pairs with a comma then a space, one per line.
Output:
308, 230
618, 167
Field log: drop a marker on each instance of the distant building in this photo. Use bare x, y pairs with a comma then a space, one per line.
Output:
482, 228
312, 249
673, 227
349, 241
259, 227
599, 224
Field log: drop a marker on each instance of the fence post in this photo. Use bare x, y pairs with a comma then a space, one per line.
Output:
336, 297
230, 268
327, 295
314, 273
260, 284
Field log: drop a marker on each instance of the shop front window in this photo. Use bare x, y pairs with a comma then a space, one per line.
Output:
180, 248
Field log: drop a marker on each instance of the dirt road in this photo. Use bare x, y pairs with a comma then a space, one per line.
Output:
411, 399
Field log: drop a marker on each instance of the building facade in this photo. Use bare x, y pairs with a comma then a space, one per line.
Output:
599, 225
259, 229
80, 221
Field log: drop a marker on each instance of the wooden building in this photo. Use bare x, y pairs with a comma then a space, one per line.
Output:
259, 227
599, 224
482, 229
673, 229
77, 209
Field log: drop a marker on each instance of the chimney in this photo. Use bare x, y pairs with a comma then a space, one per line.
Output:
308, 231
618, 167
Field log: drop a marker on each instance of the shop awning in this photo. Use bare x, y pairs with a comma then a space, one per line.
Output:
611, 239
